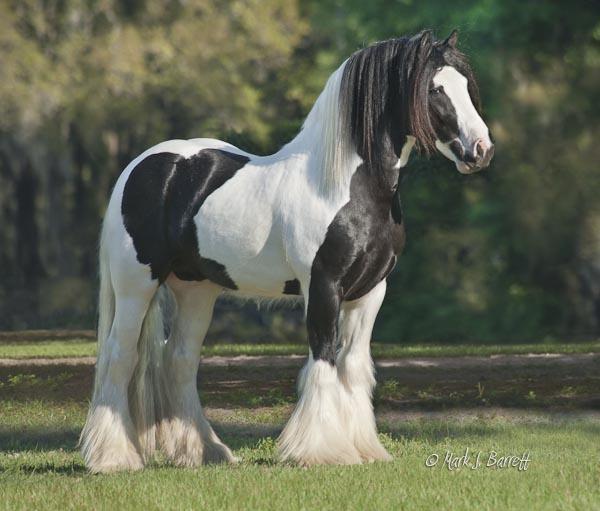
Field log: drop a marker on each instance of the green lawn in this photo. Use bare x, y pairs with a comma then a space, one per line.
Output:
84, 348
42, 410
39, 468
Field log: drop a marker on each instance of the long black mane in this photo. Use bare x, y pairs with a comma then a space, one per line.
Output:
384, 94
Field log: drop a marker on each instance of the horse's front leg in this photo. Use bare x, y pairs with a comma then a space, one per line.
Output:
317, 431
356, 371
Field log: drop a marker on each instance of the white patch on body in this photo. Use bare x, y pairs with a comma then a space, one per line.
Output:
267, 222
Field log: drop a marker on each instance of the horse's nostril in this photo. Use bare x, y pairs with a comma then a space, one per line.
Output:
489, 154
479, 148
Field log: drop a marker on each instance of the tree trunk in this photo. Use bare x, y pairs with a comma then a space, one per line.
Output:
28, 256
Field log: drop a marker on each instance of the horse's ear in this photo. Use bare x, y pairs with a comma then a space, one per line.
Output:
452, 39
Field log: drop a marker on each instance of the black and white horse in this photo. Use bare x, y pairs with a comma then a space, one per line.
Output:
319, 220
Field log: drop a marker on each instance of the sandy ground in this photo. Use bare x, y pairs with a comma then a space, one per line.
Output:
571, 381
470, 362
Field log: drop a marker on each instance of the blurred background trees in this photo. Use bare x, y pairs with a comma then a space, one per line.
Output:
512, 254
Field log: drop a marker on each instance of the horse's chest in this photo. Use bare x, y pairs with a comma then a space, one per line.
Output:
367, 256
364, 239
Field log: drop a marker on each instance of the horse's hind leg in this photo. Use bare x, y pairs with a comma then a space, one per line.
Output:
186, 436
108, 440
356, 371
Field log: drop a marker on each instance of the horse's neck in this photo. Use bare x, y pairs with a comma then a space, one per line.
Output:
301, 154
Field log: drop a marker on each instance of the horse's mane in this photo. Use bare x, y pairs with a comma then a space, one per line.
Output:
387, 78
383, 83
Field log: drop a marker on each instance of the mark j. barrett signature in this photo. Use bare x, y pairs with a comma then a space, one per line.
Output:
475, 460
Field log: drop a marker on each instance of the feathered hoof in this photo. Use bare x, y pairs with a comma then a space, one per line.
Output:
111, 467
215, 453
106, 443
112, 461
208, 456
192, 444
310, 457
374, 453
316, 433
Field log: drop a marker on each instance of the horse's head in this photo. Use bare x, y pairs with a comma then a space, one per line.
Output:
448, 97
461, 134
413, 87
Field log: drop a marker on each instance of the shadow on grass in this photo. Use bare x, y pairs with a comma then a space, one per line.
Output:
38, 439
70, 469
252, 436
238, 436
436, 430
15, 442
245, 435
42, 440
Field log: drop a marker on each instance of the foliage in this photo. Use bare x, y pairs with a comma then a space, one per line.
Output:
511, 254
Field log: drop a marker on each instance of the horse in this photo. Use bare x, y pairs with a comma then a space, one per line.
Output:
319, 221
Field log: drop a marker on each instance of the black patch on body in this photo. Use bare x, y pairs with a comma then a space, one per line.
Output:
359, 251
292, 287
161, 197
397, 205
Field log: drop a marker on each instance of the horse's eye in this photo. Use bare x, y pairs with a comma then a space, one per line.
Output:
436, 90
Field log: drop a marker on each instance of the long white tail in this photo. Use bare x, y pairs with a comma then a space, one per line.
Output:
106, 304
148, 389
146, 392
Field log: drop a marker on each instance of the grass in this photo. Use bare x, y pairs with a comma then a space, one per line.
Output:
86, 348
40, 469
42, 410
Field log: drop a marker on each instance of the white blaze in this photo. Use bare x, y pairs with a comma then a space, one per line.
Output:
470, 124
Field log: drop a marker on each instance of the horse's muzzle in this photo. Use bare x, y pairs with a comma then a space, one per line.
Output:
479, 156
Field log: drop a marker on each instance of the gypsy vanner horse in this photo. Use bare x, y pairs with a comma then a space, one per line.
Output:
320, 220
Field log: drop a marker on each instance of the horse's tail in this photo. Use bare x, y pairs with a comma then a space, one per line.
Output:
148, 390
91, 435
106, 303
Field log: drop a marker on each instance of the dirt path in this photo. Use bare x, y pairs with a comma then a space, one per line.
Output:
560, 380
279, 361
